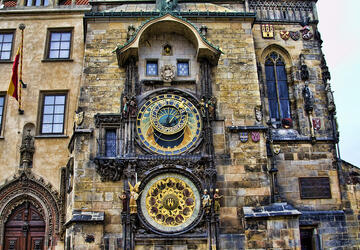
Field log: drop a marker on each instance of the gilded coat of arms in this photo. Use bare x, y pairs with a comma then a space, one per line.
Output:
255, 136
243, 136
267, 31
285, 35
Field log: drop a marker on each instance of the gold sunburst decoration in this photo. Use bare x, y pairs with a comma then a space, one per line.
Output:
171, 202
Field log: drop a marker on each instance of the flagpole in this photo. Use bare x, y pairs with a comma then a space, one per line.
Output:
21, 27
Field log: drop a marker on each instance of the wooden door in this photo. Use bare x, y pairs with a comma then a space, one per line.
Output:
25, 229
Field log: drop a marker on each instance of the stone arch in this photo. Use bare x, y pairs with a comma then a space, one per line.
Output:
177, 25
278, 49
25, 187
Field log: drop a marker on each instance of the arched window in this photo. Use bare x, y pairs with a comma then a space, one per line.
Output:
277, 89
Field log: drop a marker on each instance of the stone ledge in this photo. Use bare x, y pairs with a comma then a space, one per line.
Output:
86, 217
273, 210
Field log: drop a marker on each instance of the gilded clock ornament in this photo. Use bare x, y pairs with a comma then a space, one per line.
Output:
170, 202
168, 124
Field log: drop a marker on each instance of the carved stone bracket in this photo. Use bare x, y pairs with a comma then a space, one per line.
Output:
109, 169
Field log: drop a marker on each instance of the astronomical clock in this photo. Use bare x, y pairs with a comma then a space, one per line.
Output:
168, 124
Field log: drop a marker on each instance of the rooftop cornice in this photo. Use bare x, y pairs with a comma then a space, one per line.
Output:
45, 10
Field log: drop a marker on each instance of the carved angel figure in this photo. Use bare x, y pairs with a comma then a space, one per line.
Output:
134, 195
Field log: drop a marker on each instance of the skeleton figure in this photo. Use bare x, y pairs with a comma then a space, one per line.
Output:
134, 195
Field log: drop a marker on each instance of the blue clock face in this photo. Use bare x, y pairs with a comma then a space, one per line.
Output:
169, 124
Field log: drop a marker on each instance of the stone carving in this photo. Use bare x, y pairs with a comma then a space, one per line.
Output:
304, 72
27, 150
206, 201
276, 149
306, 33
130, 32
134, 195
295, 35
258, 115
168, 72
167, 50
109, 169
78, 117
211, 106
124, 199
325, 70
125, 109
26, 187
132, 107
217, 198
308, 99
107, 118
330, 98
203, 30
202, 107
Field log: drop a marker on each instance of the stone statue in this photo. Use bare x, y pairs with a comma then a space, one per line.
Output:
304, 72
125, 111
211, 105
202, 107
206, 201
132, 107
308, 99
123, 198
27, 150
258, 115
330, 98
134, 195
131, 32
217, 198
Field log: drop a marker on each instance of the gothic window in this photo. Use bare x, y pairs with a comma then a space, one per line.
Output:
152, 68
53, 114
6, 42
277, 88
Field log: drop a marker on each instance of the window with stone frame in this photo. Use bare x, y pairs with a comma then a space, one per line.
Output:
2, 105
59, 44
6, 45
53, 113
183, 68
152, 68
277, 87
36, 3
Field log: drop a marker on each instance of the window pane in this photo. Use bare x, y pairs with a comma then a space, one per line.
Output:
1, 111
54, 54
281, 73
285, 108
59, 109
55, 36
46, 2
57, 128
183, 69
65, 36
2, 101
274, 112
110, 143
5, 55
58, 119
1, 38
46, 128
64, 54
60, 99
65, 45
48, 109
28, 2
47, 118
6, 46
283, 90
152, 68
37, 2
8, 38
54, 45
49, 99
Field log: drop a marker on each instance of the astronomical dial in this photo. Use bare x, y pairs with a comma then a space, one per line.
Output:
170, 202
168, 124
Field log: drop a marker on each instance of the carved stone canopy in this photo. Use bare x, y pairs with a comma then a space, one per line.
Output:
169, 23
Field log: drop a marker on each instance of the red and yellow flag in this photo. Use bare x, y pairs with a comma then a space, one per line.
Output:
14, 81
